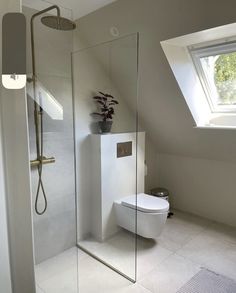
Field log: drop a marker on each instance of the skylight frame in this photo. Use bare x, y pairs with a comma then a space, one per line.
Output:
199, 52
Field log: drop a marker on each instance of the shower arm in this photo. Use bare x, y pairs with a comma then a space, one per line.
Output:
37, 109
32, 33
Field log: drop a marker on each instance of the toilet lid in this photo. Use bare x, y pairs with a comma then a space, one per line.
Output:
146, 203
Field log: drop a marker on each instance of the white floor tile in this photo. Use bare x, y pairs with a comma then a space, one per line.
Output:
164, 264
66, 281
180, 229
95, 277
58, 264
213, 253
170, 275
118, 251
225, 262
134, 288
150, 254
222, 232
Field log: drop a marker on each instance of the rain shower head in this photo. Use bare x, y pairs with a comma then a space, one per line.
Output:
58, 23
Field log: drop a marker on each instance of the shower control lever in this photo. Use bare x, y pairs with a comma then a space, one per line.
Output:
45, 160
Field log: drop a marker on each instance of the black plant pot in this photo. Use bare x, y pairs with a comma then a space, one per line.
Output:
105, 126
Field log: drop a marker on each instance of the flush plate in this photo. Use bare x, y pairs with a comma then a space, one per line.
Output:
124, 149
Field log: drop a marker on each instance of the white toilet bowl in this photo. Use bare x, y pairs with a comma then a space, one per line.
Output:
151, 214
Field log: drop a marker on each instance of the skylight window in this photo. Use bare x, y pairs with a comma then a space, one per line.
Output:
216, 68
204, 65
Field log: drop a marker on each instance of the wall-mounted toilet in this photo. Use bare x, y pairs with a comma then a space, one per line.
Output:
151, 214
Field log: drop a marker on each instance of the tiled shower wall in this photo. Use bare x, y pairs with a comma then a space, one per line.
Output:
54, 231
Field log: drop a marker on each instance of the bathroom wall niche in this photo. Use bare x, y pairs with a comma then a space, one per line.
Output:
103, 179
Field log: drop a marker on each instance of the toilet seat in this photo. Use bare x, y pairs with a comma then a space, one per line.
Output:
146, 203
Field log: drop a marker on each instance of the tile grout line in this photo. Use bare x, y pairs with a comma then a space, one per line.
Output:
70, 254
37, 285
175, 253
154, 268
144, 288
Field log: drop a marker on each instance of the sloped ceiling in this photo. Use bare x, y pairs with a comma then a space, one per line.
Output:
79, 8
162, 107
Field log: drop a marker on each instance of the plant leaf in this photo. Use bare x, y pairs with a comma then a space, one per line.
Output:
106, 95
109, 96
97, 98
95, 113
100, 102
102, 93
114, 101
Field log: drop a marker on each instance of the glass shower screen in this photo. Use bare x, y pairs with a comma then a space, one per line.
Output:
105, 107
54, 210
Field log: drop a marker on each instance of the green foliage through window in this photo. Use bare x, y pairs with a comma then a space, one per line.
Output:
225, 78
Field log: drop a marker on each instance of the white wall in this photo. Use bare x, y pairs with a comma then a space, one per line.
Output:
109, 178
199, 186
163, 111
162, 108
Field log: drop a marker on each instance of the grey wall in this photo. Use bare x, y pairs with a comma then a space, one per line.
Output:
55, 231
162, 108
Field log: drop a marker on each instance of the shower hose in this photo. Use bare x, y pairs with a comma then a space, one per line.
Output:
40, 165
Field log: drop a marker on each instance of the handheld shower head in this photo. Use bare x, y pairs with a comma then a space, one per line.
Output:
58, 23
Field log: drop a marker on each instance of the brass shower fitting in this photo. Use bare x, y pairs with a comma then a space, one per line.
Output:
44, 160
59, 23
40, 159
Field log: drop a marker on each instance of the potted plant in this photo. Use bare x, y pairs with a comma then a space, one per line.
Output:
106, 104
